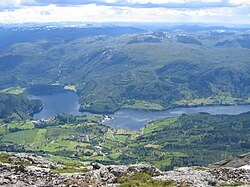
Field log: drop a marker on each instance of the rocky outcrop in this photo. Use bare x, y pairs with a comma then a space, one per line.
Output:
235, 162
231, 175
23, 169
30, 159
109, 174
190, 177
203, 177
18, 175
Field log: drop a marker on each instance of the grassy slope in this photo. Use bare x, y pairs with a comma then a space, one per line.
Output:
22, 137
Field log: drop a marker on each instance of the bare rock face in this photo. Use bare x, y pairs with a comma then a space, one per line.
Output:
109, 174
153, 171
190, 176
205, 177
120, 170
231, 175
30, 170
235, 162
101, 176
31, 159
227, 172
18, 175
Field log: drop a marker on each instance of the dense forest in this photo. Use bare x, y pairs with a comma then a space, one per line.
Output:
17, 107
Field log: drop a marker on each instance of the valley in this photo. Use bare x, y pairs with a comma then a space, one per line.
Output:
57, 100
108, 97
131, 67
167, 143
124, 93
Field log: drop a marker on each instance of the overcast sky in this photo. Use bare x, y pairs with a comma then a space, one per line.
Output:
207, 11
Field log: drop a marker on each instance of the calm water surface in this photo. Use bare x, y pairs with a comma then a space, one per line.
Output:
135, 120
67, 103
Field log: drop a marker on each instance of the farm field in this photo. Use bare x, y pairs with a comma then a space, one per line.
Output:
166, 143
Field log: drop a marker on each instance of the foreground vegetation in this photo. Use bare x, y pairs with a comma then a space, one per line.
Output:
143, 179
198, 139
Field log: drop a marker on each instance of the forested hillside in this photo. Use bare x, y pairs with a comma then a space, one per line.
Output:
17, 107
131, 69
201, 138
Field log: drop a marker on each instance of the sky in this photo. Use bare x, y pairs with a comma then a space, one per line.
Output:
171, 11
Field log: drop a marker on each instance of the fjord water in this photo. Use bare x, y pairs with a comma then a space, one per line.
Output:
136, 119
67, 102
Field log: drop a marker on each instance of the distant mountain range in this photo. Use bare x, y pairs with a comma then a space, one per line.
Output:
126, 67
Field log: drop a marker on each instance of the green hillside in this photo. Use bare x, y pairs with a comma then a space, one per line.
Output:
17, 107
139, 70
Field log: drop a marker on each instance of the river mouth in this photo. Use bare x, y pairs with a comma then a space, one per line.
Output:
67, 102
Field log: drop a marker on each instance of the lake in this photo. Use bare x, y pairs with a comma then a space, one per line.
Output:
136, 119
67, 102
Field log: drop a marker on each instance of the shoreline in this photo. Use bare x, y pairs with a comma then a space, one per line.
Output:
163, 110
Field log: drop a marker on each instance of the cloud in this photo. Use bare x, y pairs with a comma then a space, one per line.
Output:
94, 13
130, 3
241, 2
144, 3
212, 11
15, 3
